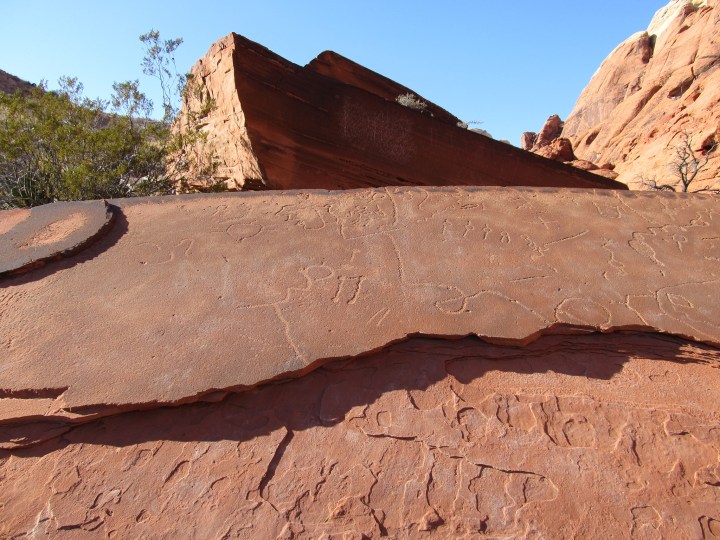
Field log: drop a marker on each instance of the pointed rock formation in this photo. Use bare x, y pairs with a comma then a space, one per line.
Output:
335, 124
549, 144
550, 131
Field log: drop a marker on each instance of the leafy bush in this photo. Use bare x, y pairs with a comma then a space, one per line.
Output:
63, 146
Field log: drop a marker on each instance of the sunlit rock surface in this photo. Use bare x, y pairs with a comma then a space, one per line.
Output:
254, 366
594, 436
654, 88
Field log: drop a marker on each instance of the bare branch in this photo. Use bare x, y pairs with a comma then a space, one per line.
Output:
686, 166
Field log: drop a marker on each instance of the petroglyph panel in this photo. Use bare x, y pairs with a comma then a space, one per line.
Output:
205, 293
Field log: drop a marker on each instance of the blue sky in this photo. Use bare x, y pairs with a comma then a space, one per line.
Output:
508, 65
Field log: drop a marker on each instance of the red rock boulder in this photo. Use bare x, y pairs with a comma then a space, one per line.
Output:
334, 125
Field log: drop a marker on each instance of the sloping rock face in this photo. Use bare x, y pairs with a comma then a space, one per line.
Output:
253, 366
653, 88
335, 125
346, 71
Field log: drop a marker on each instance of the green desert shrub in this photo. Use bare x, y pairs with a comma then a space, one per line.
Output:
61, 146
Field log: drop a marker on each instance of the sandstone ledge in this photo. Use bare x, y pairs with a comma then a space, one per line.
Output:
30, 238
186, 298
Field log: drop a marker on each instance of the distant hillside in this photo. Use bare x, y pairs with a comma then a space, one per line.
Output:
9, 84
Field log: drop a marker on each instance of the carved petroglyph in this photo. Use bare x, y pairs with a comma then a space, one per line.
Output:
151, 253
583, 311
348, 289
286, 278
378, 317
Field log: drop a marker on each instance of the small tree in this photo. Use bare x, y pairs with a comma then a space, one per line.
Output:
186, 102
60, 145
159, 62
686, 166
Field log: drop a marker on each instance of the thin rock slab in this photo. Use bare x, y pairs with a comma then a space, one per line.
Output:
30, 238
198, 294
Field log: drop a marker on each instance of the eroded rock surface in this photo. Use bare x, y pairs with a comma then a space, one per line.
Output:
334, 124
584, 436
188, 296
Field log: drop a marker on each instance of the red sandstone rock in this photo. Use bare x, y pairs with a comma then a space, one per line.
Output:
10, 218
558, 150
607, 173
220, 300
30, 238
653, 88
334, 124
584, 165
584, 436
548, 144
527, 140
346, 71
239, 290
550, 131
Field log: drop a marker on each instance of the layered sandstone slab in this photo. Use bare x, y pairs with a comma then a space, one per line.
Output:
187, 297
31, 237
653, 89
335, 125
594, 436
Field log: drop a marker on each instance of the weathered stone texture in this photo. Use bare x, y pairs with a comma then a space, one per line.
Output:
30, 238
249, 366
594, 436
242, 289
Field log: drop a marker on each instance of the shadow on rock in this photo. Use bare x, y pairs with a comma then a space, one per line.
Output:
343, 389
55, 258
